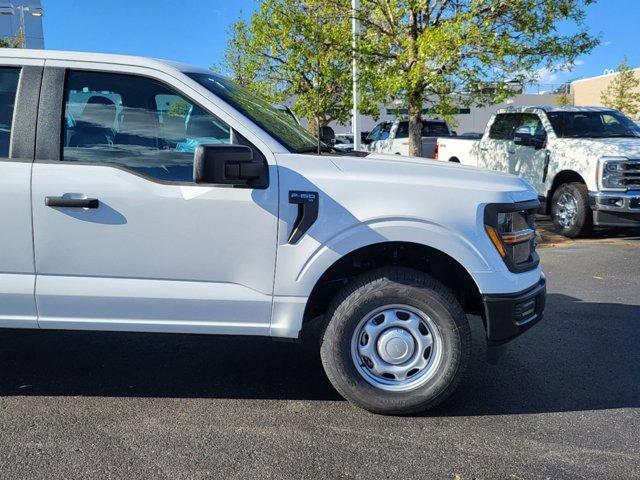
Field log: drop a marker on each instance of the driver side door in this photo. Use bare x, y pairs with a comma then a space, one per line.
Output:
124, 239
528, 161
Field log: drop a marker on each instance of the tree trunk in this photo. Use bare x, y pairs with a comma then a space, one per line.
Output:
415, 124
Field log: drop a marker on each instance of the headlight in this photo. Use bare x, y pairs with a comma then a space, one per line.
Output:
512, 230
611, 173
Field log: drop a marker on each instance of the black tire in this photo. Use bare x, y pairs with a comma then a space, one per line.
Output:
454, 160
387, 286
583, 223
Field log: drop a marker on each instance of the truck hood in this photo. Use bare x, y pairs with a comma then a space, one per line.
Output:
594, 148
413, 170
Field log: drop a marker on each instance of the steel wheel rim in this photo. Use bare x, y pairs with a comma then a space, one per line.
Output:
566, 210
396, 348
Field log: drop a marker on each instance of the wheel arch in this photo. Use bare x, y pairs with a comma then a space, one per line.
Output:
562, 177
424, 258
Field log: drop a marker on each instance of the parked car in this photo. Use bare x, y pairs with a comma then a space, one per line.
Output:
178, 202
393, 137
584, 162
344, 142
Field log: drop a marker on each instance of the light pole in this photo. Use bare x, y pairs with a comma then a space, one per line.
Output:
355, 121
23, 9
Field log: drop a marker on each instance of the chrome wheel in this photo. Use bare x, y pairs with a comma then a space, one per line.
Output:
566, 211
396, 348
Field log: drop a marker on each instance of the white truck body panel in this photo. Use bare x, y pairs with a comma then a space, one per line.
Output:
164, 257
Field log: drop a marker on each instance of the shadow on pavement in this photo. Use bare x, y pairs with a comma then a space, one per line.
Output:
549, 235
583, 356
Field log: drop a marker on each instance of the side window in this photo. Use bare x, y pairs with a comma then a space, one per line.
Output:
531, 124
9, 78
403, 130
136, 123
502, 127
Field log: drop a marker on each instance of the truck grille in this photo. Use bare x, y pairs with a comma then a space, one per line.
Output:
631, 174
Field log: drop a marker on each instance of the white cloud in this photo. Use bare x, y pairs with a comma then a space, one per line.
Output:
556, 74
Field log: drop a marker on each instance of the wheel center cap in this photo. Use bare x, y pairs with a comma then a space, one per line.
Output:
395, 346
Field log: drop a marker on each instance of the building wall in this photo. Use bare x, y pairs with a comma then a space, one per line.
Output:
10, 24
587, 92
474, 121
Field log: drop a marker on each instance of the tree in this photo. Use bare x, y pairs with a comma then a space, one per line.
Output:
298, 50
563, 96
623, 92
12, 42
452, 53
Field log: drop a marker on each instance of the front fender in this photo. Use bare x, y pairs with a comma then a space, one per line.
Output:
389, 230
300, 266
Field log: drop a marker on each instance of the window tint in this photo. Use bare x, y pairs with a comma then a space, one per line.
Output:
274, 121
592, 124
9, 78
531, 124
403, 130
502, 127
380, 132
434, 129
136, 123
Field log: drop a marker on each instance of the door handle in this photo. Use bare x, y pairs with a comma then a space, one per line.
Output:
71, 202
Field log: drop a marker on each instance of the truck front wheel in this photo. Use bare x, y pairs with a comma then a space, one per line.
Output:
570, 209
396, 341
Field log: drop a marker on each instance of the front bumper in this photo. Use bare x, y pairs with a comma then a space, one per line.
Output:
509, 315
615, 209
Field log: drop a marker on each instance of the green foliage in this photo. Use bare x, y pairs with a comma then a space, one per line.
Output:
563, 99
623, 92
442, 52
298, 50
12, 42
179, 108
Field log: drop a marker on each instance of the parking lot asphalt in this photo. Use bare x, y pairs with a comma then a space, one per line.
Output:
564, 402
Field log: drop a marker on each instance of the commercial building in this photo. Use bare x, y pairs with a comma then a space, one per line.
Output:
588, 91
25, 16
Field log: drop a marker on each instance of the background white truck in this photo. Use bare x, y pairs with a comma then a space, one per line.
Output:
584, 162
393, 137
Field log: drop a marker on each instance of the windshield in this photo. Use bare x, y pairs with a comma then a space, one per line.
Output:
596, 124
274, 121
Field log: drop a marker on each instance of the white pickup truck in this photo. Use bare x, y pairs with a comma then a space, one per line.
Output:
141, 195
393, 137
584, 162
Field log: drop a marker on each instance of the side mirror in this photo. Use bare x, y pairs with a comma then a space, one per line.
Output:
225, 165
328, 136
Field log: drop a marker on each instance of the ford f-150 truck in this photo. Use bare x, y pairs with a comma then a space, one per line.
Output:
141, 195
583, 161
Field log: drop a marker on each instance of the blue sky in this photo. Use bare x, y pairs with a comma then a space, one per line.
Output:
195, 31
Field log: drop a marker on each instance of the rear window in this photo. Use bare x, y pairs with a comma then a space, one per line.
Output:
9, 78
434, 129
429, 129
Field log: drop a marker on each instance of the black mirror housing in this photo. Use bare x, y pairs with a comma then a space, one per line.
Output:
328, 136
225, 165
